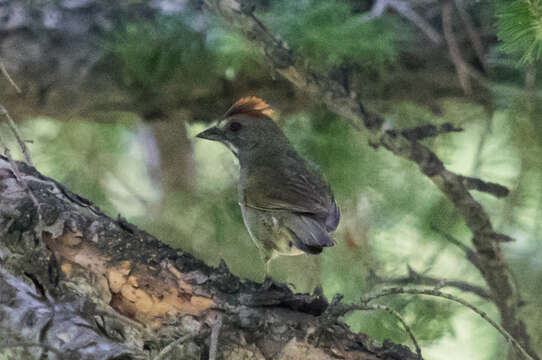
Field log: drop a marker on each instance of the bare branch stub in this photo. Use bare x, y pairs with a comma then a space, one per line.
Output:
9, 78
483, 186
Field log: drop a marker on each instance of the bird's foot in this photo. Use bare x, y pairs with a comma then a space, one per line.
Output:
267, 283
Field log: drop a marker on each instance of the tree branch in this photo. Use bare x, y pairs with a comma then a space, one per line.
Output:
474, 36
100, 266
415, 278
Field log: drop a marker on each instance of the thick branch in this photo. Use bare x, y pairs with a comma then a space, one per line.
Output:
337, 99
134, 294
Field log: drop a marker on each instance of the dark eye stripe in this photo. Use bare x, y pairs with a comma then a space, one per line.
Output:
235, 126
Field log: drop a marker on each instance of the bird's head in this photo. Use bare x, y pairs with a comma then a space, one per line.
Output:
246, 125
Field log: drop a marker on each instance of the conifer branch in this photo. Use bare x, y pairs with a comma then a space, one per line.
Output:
488, 257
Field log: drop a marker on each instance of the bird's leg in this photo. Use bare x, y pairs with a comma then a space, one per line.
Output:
267, 259
268, 267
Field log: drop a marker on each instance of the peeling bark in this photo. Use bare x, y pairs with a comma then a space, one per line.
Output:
99, 288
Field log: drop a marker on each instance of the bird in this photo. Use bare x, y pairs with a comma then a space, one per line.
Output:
287, 206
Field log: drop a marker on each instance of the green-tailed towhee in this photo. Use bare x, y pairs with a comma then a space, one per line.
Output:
288, 208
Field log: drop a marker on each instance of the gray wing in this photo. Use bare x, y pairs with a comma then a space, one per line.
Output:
300, 190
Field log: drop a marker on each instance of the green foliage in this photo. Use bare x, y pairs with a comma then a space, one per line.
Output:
85, 156
232, 52
152, 55
327, 34
520, 28
174, 56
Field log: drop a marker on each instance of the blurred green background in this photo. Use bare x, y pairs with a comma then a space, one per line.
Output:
176, 73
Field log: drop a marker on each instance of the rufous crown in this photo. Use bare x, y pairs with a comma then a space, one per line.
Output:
250, 105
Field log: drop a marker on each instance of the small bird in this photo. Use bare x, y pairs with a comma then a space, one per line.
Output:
287, 206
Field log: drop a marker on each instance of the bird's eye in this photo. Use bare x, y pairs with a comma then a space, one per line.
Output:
235, 126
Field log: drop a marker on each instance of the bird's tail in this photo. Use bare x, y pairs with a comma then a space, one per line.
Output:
309, 235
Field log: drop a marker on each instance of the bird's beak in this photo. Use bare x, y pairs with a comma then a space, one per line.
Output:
212, 133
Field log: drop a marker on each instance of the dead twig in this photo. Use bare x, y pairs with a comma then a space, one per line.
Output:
470, 254
455, 53
474, 36
6, 74
415, 278
404, 8
15, 132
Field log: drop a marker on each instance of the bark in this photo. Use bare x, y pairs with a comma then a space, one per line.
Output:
78, 284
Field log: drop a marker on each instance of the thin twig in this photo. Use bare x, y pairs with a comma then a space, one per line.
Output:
215, 332
401, 320
6, 74
470, 254
415, 278
377, 10
13, 128
471, 31
436, 293
171, 345
453, 240
453, 47
405, 9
